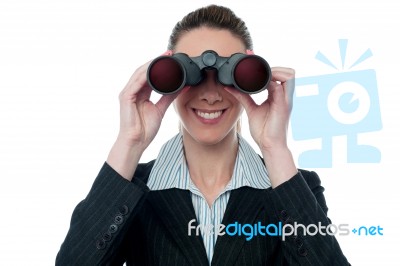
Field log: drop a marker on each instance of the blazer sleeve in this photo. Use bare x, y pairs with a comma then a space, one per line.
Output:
301, 201
99, 222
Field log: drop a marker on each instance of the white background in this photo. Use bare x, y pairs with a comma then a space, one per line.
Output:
63, 64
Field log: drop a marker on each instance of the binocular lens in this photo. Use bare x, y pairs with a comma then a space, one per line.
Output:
248, 73
251, 74
166, 75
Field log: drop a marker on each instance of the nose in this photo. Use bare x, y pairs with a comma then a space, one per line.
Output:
210, 89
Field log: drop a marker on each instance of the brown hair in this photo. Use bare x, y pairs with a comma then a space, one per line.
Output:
213, 16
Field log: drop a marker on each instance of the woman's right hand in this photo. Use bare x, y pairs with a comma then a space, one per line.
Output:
140, 120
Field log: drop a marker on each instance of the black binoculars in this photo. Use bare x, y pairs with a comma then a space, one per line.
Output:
247, 73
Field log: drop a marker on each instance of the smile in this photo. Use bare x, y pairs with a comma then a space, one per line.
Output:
209, 115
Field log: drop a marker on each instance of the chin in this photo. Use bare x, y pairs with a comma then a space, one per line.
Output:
208, 137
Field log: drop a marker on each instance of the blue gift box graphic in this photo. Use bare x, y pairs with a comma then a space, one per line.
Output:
338, 104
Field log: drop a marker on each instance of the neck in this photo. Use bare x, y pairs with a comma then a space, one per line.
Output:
211, 166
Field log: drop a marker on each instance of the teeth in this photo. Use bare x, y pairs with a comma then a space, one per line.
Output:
209, 115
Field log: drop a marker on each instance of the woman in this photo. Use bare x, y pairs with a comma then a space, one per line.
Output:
207, 175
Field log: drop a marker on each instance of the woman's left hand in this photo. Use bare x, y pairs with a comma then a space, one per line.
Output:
269, 122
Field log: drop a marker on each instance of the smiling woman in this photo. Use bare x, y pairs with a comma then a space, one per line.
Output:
208, 173
208, 112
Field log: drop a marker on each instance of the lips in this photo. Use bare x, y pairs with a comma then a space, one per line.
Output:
209, 116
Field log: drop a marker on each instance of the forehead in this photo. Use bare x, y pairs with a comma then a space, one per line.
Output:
198, 40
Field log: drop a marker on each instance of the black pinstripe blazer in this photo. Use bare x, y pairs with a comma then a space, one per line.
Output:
123, 222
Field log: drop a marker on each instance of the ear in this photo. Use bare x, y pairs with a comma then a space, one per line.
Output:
249, 52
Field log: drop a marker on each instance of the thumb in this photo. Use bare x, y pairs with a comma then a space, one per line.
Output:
166, 100
245, 99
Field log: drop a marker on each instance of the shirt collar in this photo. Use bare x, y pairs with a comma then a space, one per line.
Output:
170, 169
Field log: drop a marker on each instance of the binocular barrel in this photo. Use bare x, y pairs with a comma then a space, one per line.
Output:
247, 73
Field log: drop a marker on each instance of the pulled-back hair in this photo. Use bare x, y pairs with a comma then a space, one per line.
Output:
212, 16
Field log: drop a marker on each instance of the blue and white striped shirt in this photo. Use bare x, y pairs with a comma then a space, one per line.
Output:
171, 171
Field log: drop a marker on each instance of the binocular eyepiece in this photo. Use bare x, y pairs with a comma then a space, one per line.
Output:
247, 73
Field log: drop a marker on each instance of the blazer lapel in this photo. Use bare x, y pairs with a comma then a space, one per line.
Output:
175, 209
243, 207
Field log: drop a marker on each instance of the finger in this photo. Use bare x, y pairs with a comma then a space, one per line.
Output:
137, 81
143, 70
271, 90
140, 79
245, 99
287, 78
165, 101
142, 82
249, 52
282, 73
144, 94
168, 52
289, 87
